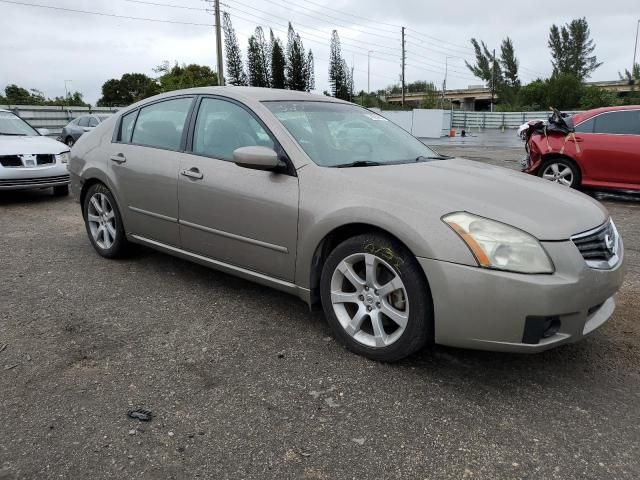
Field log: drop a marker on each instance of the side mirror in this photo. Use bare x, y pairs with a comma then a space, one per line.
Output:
256, 158
44, 131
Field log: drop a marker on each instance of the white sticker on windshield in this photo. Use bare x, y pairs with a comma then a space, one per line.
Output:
377, 118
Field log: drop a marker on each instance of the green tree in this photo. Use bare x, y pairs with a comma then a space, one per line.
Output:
258, 60
338, 71
278, 63
596, 97
18, 96
509, 64
131, 88
631, 76
178, 76
486, 67
310, 71
572, 50
534, 96
235, 67
296, 67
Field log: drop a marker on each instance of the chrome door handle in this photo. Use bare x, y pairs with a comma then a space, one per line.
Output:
119, 158
192, 173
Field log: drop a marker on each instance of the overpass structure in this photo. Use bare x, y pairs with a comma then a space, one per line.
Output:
478, 97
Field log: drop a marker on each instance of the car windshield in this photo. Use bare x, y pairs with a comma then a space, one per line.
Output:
11, 124
345, 135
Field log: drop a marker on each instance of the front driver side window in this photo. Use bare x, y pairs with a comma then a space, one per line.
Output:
222, 126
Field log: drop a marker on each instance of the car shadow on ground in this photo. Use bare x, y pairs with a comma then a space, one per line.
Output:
16, 197
593, 358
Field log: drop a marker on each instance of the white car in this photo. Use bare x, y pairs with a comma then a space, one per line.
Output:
29, 159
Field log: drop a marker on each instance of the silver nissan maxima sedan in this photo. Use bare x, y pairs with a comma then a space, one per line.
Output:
401, 247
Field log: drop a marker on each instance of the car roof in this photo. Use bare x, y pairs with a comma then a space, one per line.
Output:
582, 116
243, 94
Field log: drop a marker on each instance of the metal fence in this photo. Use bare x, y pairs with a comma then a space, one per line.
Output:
54, 117
470, 120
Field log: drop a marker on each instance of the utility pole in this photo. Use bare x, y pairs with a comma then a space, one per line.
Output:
66, 91
369, 72
404, 57
493, 79
635, 50
219, 43
444, 82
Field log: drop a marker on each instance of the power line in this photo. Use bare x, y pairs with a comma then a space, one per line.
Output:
440, 40
433, 49
309, 27
324, 39
104, 14
377, 22
156, 4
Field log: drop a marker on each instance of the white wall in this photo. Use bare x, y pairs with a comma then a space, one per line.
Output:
421, 123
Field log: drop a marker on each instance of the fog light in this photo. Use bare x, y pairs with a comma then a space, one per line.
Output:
551, 327
537, 328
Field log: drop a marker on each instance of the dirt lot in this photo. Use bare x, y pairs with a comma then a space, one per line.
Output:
244, 382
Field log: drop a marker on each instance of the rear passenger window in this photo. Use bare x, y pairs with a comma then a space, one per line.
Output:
586, 127
625, 122
126, 127
222, 126
83, 122
161, 124
93, 122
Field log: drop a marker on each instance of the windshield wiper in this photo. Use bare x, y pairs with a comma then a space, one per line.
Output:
359, 163
423, 158
14, 134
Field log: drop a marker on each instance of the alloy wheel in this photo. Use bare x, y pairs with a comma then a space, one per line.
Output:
559, 173
102, 220
370, 300
70, 142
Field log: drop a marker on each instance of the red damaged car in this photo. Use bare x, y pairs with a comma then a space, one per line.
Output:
599, 148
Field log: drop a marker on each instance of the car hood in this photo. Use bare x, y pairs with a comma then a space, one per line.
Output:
544, 209
15, 145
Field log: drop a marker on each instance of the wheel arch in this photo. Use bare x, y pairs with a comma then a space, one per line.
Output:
330, 241
561, 156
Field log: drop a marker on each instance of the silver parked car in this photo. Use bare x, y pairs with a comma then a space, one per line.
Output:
401, 246
78, 126
29, 159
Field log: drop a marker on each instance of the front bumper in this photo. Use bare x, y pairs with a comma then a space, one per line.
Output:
36, 177
488, 309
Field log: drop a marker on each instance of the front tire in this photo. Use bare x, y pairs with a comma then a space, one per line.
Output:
560, 170
103, 222
376, 299
70, 142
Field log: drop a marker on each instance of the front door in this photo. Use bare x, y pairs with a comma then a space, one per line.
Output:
244, 217
611, 147
144, 162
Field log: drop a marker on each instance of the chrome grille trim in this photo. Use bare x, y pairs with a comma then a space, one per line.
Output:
600, 246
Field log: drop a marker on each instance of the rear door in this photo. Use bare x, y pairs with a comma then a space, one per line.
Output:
244, 217
144, 160
610, 145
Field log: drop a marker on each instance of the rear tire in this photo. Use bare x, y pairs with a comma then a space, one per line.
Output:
376, 299
61, 191
562, 171
103, 222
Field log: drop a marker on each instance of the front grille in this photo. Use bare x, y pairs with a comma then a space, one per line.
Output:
10, 161
18, 182
599, 246
45, 159
15, 161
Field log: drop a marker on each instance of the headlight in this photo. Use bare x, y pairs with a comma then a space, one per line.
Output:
64, 157
500, 246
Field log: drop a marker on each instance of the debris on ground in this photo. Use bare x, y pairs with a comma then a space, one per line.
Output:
9, 367
3, 346
141, 414
359, 441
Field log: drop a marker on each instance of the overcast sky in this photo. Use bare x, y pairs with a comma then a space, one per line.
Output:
42, 47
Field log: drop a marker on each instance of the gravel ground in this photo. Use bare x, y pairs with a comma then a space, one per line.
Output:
245, 382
